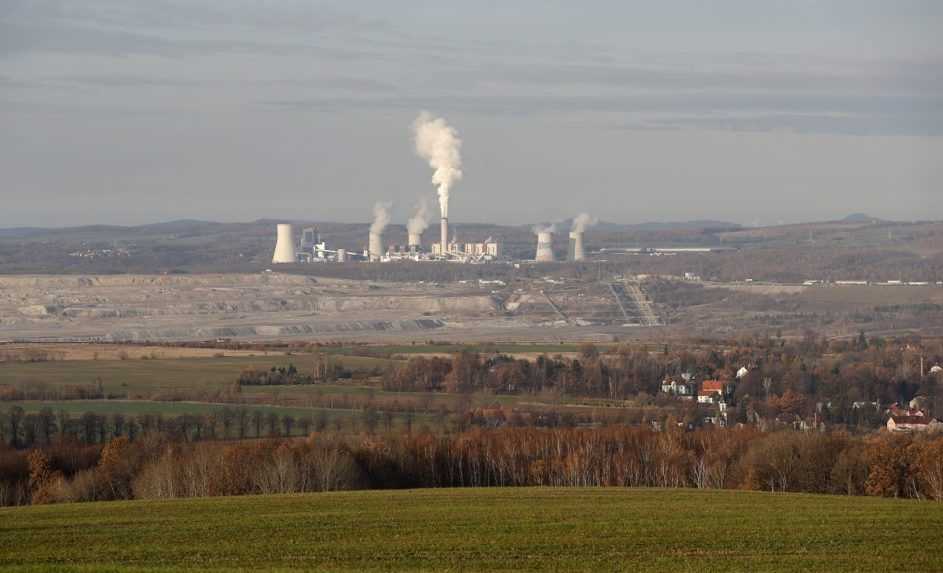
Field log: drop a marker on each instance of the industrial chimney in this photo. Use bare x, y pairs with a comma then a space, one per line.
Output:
544, 246
445, 235
375, 246
284, 245
575, 251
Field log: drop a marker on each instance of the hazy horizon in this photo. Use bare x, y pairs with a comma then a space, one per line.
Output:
758, 113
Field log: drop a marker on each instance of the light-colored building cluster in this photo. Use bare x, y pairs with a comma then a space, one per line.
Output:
312, 249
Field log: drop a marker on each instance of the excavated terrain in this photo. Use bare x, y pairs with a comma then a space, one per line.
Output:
187, 307
140, 308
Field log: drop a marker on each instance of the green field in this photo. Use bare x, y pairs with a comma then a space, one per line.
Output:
170, 374
481, 530
172, 385
135, 407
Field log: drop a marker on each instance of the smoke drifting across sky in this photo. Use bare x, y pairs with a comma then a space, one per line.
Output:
381, 216
419, 222
582, 221
750, 111
438, 143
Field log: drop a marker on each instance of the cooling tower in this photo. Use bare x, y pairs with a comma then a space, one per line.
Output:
575, 251
445, 235
544, 247
414, 241
284, 245
375, 246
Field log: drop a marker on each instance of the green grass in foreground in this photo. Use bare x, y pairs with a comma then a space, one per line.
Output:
482, 530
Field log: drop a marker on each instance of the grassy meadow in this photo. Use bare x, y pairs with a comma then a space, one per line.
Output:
187, 385
529, 529
145, 376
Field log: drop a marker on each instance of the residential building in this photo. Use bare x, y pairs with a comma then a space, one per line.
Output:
913, 424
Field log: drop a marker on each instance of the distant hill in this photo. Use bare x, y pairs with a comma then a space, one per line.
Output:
859, 218
683, 225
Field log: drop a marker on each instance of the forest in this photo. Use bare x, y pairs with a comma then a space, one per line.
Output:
155, 466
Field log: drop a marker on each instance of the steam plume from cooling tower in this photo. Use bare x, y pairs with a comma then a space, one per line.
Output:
437, 142
542, 228
419, 222
381, 217
582, 221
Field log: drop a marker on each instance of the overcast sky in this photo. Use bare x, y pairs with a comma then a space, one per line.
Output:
757, 112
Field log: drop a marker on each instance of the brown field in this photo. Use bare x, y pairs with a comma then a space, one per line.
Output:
72, 351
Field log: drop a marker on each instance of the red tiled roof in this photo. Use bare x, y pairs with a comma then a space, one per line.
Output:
918, 420
712, 386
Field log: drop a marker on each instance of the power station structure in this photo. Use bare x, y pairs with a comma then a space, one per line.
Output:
374, 247
575, 250
284, 245
311, 248
414, 242
444, 240
544, 246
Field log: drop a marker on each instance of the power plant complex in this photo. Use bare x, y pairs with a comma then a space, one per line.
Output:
437, 143
311, 248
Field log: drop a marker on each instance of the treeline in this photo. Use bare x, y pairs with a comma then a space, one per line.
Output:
275, 376
20, 429
837, 380
43, 392
157, 467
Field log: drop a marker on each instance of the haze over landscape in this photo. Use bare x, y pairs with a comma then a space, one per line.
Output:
125, 112
312, 285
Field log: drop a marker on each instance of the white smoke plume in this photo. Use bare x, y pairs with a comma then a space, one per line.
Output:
582, 221
381, 216
437, 142
552, 228
419, 222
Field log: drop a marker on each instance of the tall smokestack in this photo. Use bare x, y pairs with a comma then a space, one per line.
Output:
284, 245
445, 235
544, 245
438, 143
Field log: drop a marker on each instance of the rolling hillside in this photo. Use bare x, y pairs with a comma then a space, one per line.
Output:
478, 530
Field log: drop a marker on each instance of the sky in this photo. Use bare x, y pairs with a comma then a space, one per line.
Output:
750, 111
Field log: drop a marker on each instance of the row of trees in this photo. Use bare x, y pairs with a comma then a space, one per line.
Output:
159, 467
274, 376
19, 429
798, 377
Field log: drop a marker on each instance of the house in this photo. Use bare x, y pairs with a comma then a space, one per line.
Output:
682, 388
936, 369
717, 387
895, 409
913, 424
706, 397
742, 372
720, 421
